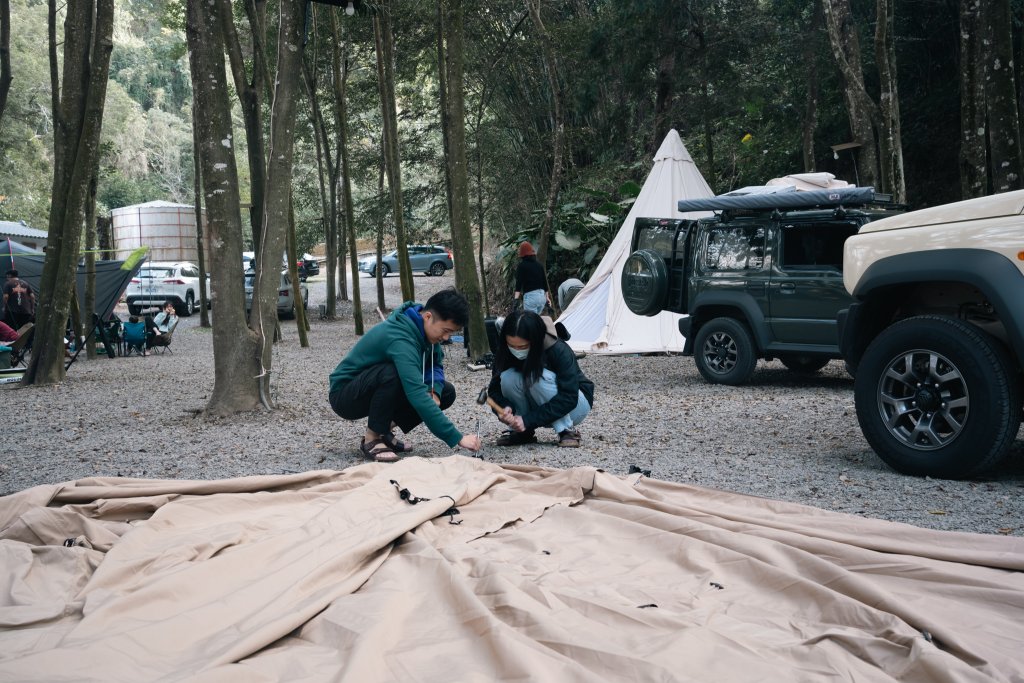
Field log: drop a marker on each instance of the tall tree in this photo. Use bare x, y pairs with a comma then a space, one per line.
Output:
861, 109
197, 205
330, 167
274, 226
890, 144
340, 65
236, 365
250, 91
1001, 97
78, 97
973, 124
558, 127
6, 78
384, 40
462, 234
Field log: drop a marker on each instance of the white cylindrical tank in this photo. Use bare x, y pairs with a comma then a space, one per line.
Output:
169, 230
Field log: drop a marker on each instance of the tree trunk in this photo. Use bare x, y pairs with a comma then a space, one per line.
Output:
197, 192
90, 269
341, 72
462, 234
1001, 97
235, 362
331, 217
378, 272
77, 104
551, 67
6, 78
665, 77
251, 101
385, 48
861, 110
301, 325
810, 119
973, 113
890, 140
263, 318
442, 95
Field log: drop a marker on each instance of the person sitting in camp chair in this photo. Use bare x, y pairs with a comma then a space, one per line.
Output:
135, 336
20, 345
160, 334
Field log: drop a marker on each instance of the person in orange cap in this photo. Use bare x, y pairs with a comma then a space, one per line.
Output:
531, 283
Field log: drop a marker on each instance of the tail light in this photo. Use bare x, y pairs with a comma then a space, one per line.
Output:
174, 281
450, 254
136, 281
282, 292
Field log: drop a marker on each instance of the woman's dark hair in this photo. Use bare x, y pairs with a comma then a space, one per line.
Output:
529, 326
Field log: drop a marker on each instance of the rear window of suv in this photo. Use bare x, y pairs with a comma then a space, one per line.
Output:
740, 248
156, 272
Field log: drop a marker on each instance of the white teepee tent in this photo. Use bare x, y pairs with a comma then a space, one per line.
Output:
597, 318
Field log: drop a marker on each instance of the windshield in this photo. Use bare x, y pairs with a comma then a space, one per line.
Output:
156, 272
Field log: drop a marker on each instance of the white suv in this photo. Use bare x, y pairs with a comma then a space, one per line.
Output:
162, 281
936, 334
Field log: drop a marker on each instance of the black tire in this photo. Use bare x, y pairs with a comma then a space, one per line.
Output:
937, 396
724, 352
805, 365
187, 307
384, 270
134, 310
436, 269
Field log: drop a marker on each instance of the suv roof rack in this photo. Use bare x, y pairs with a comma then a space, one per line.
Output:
847, 196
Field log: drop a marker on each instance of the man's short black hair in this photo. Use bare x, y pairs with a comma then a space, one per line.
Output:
449, 304
12, 273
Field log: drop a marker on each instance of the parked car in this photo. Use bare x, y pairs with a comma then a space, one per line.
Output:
285, 294
429, 260
935, 334
158, 282
308, 266
760, 279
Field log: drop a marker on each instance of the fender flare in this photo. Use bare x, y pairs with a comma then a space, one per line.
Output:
992, 273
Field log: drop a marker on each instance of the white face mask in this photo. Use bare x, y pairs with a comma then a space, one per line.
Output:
521, 354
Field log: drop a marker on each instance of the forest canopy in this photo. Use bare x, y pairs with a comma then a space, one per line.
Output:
753, 87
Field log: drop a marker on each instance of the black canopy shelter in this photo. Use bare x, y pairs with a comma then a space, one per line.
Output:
112, 277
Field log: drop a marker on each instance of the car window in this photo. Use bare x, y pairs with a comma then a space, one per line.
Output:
249, 280
816, 247
189, 272
156, 272
731, 248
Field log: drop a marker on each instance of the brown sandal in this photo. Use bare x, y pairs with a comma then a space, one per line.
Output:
378, 450
394, 444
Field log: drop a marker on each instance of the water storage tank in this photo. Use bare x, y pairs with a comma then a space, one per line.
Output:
169, 230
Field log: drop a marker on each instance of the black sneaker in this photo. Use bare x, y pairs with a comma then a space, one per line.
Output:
570, 438
511, 438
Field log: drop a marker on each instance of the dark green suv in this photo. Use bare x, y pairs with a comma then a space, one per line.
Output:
761, 278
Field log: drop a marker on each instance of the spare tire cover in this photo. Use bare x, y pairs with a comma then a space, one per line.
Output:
644, 282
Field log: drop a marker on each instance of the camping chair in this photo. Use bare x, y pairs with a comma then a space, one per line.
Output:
165, 339
134, 338
20, 346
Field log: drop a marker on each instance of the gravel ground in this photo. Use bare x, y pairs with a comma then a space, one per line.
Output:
781, 437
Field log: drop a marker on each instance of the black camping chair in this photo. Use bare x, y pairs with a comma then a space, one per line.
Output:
21, 346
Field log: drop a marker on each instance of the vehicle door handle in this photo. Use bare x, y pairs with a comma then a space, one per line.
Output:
787, 288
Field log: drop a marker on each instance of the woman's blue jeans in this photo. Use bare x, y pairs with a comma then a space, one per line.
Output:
534, 301
542, 391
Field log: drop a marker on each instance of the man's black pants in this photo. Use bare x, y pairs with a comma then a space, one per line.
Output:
377, 394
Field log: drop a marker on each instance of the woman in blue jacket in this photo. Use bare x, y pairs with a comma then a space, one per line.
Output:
538, 382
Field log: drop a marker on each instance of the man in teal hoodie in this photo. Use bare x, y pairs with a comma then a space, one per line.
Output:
394, 376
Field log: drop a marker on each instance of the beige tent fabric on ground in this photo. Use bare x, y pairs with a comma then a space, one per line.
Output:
548, 575
597, 318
